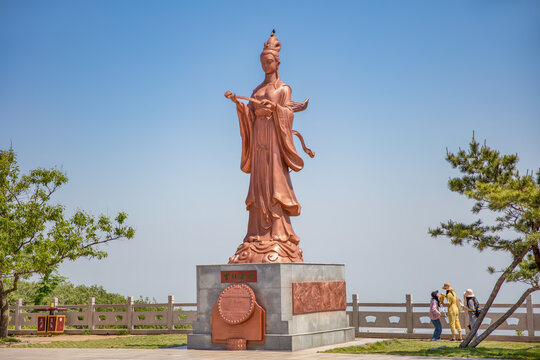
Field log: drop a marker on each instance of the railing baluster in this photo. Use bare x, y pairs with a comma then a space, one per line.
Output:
355, 320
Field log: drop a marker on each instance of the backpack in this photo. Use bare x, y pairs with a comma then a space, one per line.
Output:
476, 306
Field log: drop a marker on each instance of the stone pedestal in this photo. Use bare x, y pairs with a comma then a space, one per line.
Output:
307, 325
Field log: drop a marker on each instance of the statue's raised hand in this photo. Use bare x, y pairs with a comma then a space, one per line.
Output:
232, 96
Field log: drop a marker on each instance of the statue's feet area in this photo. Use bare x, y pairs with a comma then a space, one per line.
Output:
267, 252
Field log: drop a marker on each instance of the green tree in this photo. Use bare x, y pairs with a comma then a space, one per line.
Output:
36, 236
50, 280
494, 183
65, 291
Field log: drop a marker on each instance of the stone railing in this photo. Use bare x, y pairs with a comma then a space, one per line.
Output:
411, 320
403, 320
95, 318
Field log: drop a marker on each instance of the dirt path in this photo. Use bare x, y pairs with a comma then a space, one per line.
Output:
43, 339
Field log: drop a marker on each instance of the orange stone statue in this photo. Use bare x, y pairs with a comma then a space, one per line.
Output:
268, 154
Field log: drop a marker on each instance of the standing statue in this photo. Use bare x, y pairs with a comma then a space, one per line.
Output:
268, 154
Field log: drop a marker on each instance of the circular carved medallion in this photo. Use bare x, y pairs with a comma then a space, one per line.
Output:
236, 303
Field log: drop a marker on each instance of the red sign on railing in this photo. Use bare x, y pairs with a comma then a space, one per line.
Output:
239, 276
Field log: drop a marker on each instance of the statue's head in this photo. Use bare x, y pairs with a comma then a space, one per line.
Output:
270, 54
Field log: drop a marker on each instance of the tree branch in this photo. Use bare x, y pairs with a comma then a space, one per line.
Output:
492, 296
13, 195
536, 252
15, 283
503, 318
102, 241
23, 243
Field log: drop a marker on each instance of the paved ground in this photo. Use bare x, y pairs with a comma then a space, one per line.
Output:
184, 354
33, 339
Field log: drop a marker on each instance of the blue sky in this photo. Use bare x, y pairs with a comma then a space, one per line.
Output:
127, 98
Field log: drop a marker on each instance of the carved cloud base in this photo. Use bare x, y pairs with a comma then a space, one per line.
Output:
267, 252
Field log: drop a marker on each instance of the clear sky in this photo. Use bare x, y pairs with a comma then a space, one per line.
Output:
127, 98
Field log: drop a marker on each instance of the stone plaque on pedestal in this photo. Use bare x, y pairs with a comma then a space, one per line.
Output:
305, 304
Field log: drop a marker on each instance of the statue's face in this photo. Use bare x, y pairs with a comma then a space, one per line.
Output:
269, 63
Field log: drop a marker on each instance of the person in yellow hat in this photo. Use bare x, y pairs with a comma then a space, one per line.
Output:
453, 311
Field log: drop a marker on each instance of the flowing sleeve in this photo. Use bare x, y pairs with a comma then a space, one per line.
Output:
283, 120
245, 119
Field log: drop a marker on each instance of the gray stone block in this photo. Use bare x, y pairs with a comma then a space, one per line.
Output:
273, 290
286, 304
209, 280
297, 274
303, 341
334, 272
202, 341
313, 272
317, 340
274, 325
269, 275
285, 275
270, 299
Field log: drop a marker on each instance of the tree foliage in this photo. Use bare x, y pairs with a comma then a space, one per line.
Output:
66, 292
495, 184
47, 285
36, 235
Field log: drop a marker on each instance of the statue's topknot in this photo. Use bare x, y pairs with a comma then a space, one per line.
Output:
272, 43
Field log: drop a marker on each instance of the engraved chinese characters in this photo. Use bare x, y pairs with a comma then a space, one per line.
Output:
268, 154
239, 276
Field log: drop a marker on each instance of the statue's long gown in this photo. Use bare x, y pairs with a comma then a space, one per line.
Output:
268, 153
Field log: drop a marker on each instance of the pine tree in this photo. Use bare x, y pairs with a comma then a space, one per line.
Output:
494, 183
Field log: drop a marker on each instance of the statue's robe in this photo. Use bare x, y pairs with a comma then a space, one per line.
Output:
268, 153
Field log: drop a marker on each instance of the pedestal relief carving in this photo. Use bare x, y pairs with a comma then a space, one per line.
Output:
309, 297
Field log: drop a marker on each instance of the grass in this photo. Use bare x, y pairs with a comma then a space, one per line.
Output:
123, 342
487, 349
9, 340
